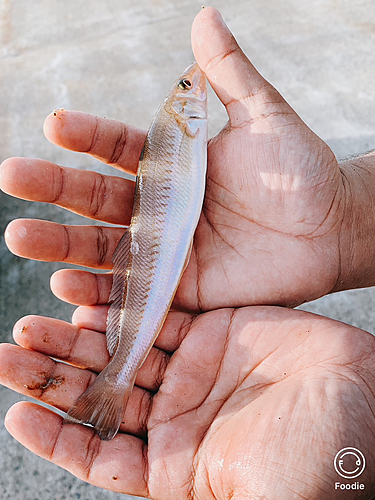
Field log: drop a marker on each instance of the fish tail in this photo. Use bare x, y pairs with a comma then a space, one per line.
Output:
102, 406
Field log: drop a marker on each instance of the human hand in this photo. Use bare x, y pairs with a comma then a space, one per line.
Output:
246, 403
259, 248
275, 199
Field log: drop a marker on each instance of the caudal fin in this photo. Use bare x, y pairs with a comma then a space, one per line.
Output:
101, 406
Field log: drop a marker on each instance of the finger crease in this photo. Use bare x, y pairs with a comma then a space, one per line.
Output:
95, 137
220, 57
119, 146
199, 277
146, 468
145, 410
98, 195
58, 184
66, 244
186, 327
102, 246
56, 441
93, 450
162, 366
259, 91
73, 344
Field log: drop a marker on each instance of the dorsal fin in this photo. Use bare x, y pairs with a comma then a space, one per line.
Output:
120, 262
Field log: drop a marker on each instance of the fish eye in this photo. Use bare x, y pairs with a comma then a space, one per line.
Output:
184, 84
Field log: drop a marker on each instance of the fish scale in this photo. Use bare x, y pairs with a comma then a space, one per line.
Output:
153, 253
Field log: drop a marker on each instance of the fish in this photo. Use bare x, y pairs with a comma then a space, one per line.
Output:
155, 249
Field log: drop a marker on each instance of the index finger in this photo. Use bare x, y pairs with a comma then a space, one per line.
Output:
110, 141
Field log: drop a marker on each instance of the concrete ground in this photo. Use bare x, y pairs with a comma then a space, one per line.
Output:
117, 59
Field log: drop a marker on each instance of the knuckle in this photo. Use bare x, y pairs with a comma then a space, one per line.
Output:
66, 244
161, 362
58, 183
92, 452
95, 137
119, 146
221, 57
98, 195
144, 410
101, 245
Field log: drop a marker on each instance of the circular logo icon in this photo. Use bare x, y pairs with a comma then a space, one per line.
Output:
349, 463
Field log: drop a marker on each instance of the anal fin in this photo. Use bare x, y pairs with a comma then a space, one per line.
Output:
120, 262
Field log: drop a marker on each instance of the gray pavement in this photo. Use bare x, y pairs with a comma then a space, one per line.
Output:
117, 59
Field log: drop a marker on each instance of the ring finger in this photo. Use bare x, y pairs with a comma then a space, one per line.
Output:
90, 246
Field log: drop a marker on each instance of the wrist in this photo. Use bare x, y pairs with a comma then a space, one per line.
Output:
357, 234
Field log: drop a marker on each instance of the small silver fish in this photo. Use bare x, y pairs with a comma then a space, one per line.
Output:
154, 251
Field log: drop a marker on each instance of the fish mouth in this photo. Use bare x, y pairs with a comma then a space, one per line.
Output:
192, 70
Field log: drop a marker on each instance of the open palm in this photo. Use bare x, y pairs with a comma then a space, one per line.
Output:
269, 230
235, 403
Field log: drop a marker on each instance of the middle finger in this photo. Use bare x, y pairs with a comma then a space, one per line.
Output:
93, 195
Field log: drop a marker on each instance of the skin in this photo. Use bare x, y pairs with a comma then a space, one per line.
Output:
236, 400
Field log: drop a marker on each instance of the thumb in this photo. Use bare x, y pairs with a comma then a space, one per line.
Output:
243, 91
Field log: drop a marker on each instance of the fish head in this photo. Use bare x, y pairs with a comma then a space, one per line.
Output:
187, 101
